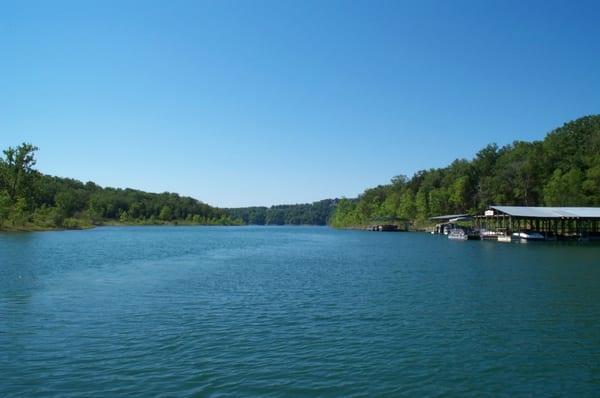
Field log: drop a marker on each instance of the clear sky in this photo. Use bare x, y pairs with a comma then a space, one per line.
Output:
259, 102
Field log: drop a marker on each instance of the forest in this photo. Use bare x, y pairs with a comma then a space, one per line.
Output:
317, 213
563, 169
30, 200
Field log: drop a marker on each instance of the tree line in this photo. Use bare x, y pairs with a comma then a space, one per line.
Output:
32, 200
317, 213
563, 169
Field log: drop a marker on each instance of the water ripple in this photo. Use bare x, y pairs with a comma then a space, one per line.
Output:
272, 312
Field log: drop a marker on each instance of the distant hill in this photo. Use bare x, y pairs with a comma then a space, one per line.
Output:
561, 170
317, 213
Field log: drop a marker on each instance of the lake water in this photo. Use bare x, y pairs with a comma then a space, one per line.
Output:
294, 311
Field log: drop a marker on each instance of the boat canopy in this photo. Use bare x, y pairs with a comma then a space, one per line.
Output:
549, 212
464, 218
448, 217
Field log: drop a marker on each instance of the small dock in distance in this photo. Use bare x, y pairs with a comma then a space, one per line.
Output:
389, 225
448, 222
383, 228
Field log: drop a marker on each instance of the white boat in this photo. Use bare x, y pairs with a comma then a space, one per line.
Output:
486, 234
499, 234
504, 238
528, 235
457, 234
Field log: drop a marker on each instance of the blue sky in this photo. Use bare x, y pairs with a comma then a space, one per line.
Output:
259, 102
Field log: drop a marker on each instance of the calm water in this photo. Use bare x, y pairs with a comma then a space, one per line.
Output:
255, 311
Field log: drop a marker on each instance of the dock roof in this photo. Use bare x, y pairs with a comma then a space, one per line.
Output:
448, 217
549, 212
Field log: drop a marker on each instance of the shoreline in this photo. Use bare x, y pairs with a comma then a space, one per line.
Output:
24, 229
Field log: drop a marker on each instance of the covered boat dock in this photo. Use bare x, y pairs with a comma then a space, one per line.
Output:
552, 222
389, 224
448, 222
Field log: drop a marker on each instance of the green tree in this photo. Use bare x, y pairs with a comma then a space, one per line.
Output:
70, 201
124, 217
5, 207
346, 214
166, 213
19, 215
421, 205
407, 208
591, 184
459, 194
565, 189
438, 201
16, 170
48, 217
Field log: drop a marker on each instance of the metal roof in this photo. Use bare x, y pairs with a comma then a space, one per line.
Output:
549, 212
448, 217
464, 218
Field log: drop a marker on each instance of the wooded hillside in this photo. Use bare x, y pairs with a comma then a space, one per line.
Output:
561, 170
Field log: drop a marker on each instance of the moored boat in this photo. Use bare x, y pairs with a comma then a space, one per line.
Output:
457, 234
528, 235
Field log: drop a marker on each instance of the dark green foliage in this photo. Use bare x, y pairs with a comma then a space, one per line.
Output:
16, 171
31, 200
561, 170
317, 213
